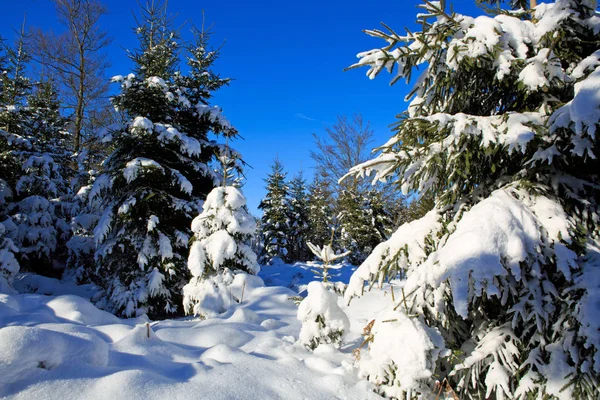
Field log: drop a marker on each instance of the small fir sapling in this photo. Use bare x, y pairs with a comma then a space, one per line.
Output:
323, 321
328, 257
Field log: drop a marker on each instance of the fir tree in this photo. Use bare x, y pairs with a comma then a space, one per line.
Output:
298, 219
220, 248
9, 265
502, 274
34, 138
363, 222
274, 222
352, 224
320, 212
379, 217
158, 173
42, 208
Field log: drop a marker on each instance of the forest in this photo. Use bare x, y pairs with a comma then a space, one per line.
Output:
459, 259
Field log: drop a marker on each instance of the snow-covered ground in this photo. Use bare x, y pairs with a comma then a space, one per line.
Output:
60, 346
297, 276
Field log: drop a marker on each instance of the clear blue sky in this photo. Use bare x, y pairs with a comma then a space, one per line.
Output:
287, 61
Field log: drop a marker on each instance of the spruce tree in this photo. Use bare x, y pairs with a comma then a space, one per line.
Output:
42, 208
379, 217
298, 219
9, 265
502, 276
220, 248
363, 222
158, 173
352, 224
274, 221
320, 212
36, 177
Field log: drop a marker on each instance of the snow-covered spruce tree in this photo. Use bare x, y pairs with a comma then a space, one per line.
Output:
320, 212
45, 177
274, 221
220, 248
87, 211
155, 179
9, 265
502, 277
35, 136
298, 219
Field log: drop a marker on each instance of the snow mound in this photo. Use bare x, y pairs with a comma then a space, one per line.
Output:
81, 311
411, 353
27, 350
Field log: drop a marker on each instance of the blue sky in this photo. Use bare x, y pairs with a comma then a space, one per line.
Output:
287, 61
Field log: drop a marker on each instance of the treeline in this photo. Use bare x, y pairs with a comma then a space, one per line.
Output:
295, 213
349, 213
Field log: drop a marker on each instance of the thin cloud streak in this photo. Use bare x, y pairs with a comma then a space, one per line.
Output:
302, 116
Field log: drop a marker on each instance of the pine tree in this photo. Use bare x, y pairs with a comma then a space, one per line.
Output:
503, 274
274, 221
158, 173
230, 167
298, 219
320, 212
220, 248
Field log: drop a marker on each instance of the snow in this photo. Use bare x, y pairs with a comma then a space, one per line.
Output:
411, 352
410, 236
197, 259
79, 310
224, 209
187, 145
581, 113
323, 321
63, 347
491, 240
32, 283
297, 276
141, 124
218, 247
135, 167
155, 81
588, 308
27, 352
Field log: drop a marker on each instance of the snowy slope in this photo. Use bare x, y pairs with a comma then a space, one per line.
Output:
62, 347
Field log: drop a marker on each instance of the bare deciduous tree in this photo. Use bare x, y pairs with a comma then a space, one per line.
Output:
76, 59
347, 143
